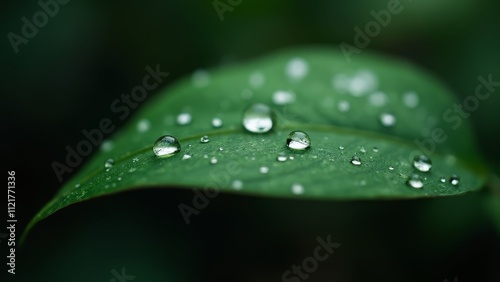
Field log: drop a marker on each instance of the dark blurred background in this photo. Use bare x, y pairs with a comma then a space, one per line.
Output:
65, 77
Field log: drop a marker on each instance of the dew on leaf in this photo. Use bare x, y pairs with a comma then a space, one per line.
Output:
422, 163
415, 181
257, 118
298, 140
166, 146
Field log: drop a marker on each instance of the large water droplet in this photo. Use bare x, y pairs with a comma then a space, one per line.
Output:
204, 139
415, 181
356, 161
282, 97
298, 140
166, 146
184, 118
387, 119
258, 118
422, 163
454, 180
297, 189
217, 122
109, 163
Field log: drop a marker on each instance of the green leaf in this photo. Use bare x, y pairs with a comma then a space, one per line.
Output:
336, 103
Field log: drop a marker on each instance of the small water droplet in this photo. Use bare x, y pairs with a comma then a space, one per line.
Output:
186, 157
415, 181
410, 99
109, 163
341, 147
258, 118
221, 149
362, 150
297, 189
281, 158
387, 119
378, 99
256, 79
237, 185
454, 180
216, 122
166, 146
298, 140
77, 185
343, 106
356, 161
422, 163
291, 158
143, 125
134, 160
282, 97
297, 68
264, 169
391, 168
200, 78
204, 139
214, 160
107, 146
442, 180
184, 119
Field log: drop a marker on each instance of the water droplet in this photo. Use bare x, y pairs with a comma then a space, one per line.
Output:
297, 189
109, 163
291, 158
214, 160
221, 149
186, 157
378, 99
107, 146
442, 180
343, 106
454, 180
200, 78
246, 94
363, 82
362, 150
410, 99
166, 146
341, 147
391, 168
204, 139
264, 169
184, 119
257, 118
216, 122
297, 68
387, 119
415, 181
119, 179
134, 160
298, 140
143, 125
375, 149
237, 185
77, 185
281, 158
422, 163
282, 97
356, 161
256, 79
